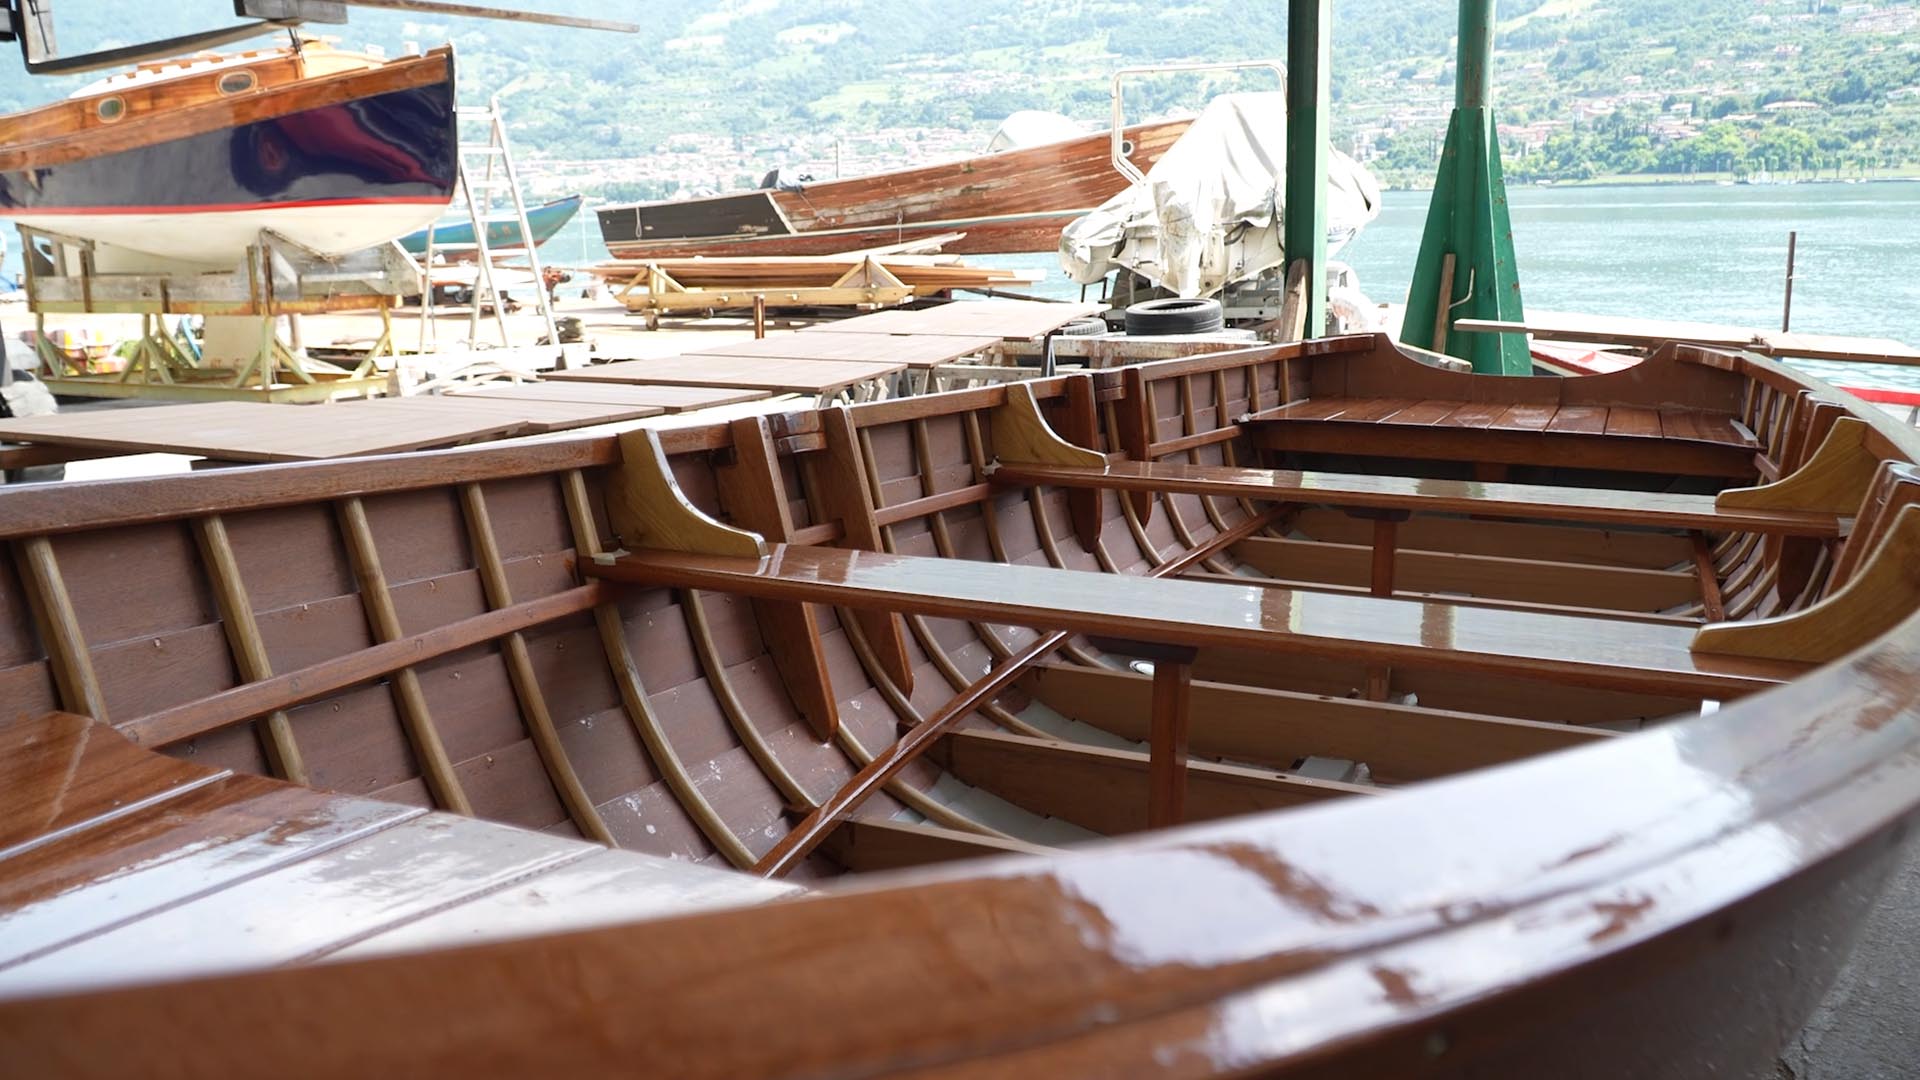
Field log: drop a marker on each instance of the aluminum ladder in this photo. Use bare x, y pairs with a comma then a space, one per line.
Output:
484, 169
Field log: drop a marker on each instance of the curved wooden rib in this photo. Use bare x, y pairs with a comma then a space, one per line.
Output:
743, 726
411, 701
836, 488
243, 641
526, 685
1834, 480
648, 510
1878, 598
59, 628
689, 523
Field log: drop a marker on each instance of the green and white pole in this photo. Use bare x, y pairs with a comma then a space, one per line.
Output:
1468, 221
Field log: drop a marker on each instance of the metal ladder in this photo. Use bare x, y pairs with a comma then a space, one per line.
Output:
478, 175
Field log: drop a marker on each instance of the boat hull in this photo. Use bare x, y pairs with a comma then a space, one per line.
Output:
369, 160
503, 233
1017, 201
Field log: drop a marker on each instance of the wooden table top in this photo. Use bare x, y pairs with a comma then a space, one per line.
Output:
1603, 653
671, 399
1600, 506
1624, 420
756, 373
913, 350
1013, 320
257, 431
535, 417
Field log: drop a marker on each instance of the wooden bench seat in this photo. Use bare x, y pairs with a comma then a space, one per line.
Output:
1632, 438
1596, 506
1601, 653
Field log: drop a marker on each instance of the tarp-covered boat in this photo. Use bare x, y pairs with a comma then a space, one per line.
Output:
186, 161
1017, 199
1211, 209
1520, 727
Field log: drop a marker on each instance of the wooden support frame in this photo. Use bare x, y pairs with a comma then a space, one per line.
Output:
1833, 480
1022, 436
520, 672
751, 492
1172, 715
363, 555
1884, 593
59, 628
838, 489
648, 510
244, 642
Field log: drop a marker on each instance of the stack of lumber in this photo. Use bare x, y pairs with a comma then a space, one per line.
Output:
924, 273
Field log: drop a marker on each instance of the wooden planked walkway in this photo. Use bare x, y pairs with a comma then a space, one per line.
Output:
670, 399
758, 373
918, 351
1013, 320
256, 431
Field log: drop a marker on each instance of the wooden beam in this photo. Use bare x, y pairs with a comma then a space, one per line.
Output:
59, 628
838, 489
1536, 581
868, 844
751, 491
363, 554
1278, 728
1108, 790
244, 642
1710, 601
1022, 436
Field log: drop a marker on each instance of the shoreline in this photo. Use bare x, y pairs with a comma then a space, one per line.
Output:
1905, 175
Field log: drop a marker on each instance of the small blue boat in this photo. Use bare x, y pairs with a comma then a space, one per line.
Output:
503, 232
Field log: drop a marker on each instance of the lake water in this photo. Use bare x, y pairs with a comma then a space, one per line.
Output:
1696, 251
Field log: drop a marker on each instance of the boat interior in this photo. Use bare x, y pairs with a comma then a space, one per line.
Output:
672, 681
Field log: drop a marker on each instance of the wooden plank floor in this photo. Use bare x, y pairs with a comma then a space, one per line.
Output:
758, 373
256, 431
534, 417
914, 350
670, 399
1628, 421
1014, 320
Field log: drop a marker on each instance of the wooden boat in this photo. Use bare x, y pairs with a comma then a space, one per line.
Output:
1015, 200
455, 237
1519, 726
187, 161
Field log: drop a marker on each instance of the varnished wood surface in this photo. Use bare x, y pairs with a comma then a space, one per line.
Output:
155, 868
1590, 652
670, 399
253, 431
1015, 320
1620, 420
744, 372
914, 350
1596, 505
1715, 852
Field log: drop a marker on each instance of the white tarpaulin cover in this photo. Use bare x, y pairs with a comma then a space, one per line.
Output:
1211, 210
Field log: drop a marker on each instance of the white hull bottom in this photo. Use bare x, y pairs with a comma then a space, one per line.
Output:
218, 239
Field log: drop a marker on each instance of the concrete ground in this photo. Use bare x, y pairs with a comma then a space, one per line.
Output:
1868, 1027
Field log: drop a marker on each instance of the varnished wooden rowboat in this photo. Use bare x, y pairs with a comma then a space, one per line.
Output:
1015, 200
186, 161
1532, 727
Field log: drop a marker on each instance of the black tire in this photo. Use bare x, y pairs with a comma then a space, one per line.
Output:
1083, 328
1174, 315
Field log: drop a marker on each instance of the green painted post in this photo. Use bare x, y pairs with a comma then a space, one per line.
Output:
1468, 220
1309, 55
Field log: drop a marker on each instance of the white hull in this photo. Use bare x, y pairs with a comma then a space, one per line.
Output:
218, 239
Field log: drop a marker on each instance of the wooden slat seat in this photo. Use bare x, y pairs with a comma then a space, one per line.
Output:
1599, 653
1598, 506
1635, 438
